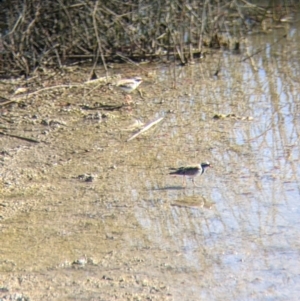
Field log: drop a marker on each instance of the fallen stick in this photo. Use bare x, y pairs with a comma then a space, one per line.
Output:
147, 127
20, 137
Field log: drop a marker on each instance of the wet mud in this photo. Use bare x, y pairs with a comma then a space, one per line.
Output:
88, 215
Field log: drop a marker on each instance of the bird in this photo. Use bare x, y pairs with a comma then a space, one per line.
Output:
190, 171
128, 85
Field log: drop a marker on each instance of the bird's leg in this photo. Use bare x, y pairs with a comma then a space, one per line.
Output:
128, 99
195, 183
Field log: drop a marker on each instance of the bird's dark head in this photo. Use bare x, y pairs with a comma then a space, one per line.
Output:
205, 165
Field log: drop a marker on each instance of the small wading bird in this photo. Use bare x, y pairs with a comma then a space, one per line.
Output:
190, 171
128, 85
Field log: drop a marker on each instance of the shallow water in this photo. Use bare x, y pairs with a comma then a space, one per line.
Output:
137, 232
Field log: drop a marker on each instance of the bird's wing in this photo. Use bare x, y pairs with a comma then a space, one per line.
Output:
125, 82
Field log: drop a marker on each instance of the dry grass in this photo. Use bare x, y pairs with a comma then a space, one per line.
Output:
53, 33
